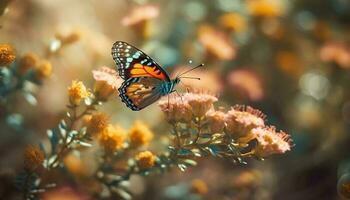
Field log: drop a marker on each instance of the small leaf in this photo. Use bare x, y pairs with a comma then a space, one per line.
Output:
206, 135
182, 167
184, 152
30, 98
84, 144
190, 162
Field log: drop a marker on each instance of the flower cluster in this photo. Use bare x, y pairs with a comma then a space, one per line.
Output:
199, 127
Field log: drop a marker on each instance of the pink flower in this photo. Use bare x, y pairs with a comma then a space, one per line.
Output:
176, 109
141, 14
216, 121
270, 141
336, 52
216, 43
246, 82
240, 120
200, 102
107, 82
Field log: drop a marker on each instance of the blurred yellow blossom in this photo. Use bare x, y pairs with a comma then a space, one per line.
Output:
27, 62
289, 63
198, 186
33, 158
270, 141
265, 8
74, 164
112, 138
216, 43
43, 69
140, 134
7, 54
96, 123
146, 159
343, 186
246, 179
77, 92
70, 38
107, 82
241, 120
233, 22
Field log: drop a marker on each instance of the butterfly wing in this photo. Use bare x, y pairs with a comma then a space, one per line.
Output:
137, 93
132, 62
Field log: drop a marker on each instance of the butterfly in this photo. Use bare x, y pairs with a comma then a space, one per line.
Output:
145, 81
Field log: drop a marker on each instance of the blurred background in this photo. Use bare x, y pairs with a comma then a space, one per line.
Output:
288, 58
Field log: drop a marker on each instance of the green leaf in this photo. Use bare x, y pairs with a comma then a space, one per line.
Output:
206, 135
54, 139
190, 162
213, 149
30, 98
182, 167
184, 152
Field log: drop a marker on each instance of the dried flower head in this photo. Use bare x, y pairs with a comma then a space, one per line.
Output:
7, 54
112, 138
246, 82
337, 53
43, 69
140, 134
216, 121
107, 82
176, 109
265, 8
27, 62
200, 102
77, 92
216, 43
97, 123
146, 159
233, 22
33, 158
198, 186
141, 14
270, 141
240, 120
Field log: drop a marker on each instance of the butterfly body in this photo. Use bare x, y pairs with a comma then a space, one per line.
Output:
144, 80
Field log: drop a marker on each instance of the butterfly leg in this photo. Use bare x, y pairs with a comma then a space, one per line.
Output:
179, 95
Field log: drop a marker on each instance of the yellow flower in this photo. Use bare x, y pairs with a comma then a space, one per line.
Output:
233, 21
199, 187
96, 123
7, 54
77, 92
145, 159
27, 62
246, 179
33, 158
140, 134
112, 138
265, 8
216, 121
43, 70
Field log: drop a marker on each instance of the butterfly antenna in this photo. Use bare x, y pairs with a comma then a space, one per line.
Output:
201, 65
188, 77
